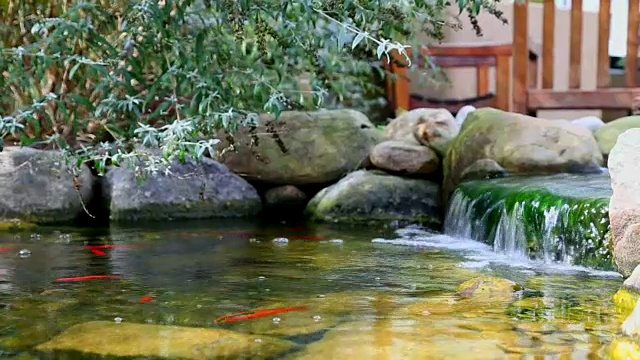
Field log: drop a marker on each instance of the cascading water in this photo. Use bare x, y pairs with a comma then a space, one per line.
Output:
560, 218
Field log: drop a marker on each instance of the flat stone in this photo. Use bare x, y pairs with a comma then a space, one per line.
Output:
404, 157
129, 339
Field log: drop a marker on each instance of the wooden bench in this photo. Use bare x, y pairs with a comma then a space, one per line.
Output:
481, 56
528, 99
527, 96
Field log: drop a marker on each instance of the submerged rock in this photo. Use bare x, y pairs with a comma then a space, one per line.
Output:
488, 288
607, 136
404, 157
286, 196
365, 196
302, 147
624, 207
38, 187
431, 127
136, 340
521, 145
194, 190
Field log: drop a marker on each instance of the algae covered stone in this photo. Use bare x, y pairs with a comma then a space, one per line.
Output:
129, 340
521, 145
39, 187
624, 206
193, 190
301, 147
364, 196
607, 135
488, 288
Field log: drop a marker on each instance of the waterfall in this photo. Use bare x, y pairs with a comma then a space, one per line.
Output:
532, 221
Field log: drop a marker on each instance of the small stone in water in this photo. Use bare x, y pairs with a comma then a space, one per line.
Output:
321, 296
281, 240
118, 320
149, 321
336, 241
276, 320
24, 253
317, 318
261, 277
258, 340
199, 306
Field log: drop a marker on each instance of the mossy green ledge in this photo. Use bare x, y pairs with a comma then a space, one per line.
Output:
561, 217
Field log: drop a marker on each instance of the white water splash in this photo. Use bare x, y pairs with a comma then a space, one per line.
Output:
479, 255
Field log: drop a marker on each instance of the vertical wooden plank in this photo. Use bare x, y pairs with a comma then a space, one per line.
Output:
575, 45
604, 25
401, 84
631, 65
520, 56
482, 77
533, 73
549, 21
503, 72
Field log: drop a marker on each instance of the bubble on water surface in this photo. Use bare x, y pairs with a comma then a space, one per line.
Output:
117, 319
280, 241
253, 240
35, 236
24, 253
336, 241
258, 340
317, 318
276, 320
261, 277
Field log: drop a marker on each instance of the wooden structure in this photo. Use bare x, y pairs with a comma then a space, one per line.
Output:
480, 56
529, 100
528, 97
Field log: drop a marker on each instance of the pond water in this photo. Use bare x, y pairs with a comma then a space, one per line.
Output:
377, 294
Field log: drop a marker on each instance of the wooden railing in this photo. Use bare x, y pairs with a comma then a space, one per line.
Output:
529, 100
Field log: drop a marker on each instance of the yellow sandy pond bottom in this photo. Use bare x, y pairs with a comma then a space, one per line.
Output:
481, 320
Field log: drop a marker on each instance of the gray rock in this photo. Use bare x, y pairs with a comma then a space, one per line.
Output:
301, 147
284, 196
38, 187
592, 123
624, 207
430, 127
193, 190
369, 196
461, 115
400, 156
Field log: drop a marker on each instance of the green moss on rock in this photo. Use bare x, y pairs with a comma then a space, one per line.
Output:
561, 217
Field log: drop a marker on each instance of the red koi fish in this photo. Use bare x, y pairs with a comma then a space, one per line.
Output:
253, 314
87, 277
145, 299
95, 248
4, 249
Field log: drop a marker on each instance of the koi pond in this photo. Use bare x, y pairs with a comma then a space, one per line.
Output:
235, 290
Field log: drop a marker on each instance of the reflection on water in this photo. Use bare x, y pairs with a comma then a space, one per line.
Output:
362, 299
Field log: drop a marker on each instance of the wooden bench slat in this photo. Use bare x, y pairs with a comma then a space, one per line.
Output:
575, 45
520, 55
604, 25
549, 18
612, 98
631, 61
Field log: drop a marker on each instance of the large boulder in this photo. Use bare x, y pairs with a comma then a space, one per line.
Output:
404, 157
430, 127
368, 196
38, 187
519, 144
624, 206
301, 147
193, 190
608, 134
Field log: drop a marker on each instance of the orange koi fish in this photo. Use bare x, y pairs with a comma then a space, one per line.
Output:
145, 299
253, 314
87, 277
4, 249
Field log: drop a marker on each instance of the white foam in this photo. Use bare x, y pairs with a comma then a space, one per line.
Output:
479, 255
